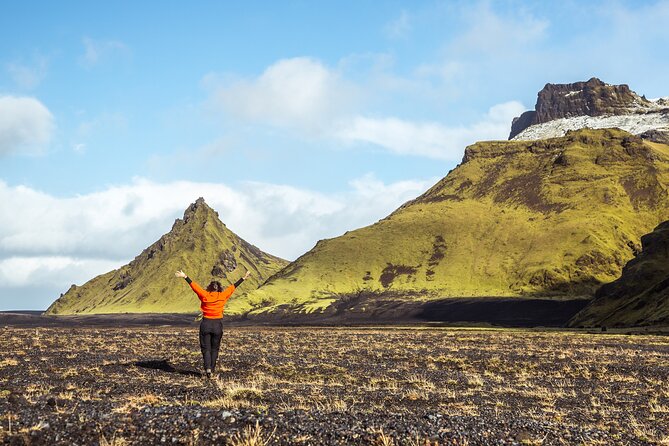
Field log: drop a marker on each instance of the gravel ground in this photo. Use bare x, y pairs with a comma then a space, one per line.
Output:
334, 386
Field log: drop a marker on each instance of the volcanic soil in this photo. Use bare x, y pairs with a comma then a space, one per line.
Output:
90, 385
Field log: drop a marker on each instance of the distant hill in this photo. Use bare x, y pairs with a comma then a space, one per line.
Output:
641, 295
592, 104
552, 218
200, 244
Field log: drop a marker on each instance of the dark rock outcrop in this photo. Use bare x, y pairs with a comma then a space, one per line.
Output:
641, 295
591, 98
656, 136
522, 122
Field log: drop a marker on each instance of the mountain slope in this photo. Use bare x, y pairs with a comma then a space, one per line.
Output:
641, 295
556, 218
200, 244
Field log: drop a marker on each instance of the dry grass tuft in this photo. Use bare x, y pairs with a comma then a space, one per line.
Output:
114, 441
8, 362
252, 436
382, 439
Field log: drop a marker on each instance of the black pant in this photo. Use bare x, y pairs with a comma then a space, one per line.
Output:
211, 331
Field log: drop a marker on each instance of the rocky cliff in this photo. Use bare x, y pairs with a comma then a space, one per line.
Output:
591, 104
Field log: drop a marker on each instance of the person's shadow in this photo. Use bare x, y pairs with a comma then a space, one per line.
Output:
165, 366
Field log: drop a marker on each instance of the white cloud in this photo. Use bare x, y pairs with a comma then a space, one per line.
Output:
637, 30
288, 221
106, 125
625, 22
446, 71
430, 139
79, 148
48, 271
485, 51
105, 122
95, 51
299, 93
26, 125
302, 94
28, 76
111, 224
495, 35
400, 27
48, 242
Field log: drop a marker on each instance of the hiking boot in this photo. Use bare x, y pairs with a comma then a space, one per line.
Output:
208, 373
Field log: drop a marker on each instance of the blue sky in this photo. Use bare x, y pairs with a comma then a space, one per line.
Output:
296, 120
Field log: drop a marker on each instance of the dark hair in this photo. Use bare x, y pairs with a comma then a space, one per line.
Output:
215, 285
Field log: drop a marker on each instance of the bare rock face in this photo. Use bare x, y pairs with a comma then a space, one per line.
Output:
591, 98
226, 264
522, 122
656, 136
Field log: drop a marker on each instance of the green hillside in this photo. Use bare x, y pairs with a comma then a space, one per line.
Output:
200, 244
555, 218
641, 295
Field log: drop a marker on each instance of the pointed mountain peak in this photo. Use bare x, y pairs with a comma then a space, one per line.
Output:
199, 210
199, 206
199, 202
199, 243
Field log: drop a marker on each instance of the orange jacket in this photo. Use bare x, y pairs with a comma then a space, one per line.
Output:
212, 302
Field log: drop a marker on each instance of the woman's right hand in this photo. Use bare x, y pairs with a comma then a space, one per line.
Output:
180, 274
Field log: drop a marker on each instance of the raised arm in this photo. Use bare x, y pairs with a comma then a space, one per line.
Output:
194, 286
246, 276
229, 290
183, 276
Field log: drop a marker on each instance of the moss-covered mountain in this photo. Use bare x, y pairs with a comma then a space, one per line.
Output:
200, 244
555, 217
641, 295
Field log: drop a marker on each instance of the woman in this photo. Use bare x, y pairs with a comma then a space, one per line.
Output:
211, 328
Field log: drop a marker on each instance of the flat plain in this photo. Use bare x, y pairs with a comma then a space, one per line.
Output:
325, 385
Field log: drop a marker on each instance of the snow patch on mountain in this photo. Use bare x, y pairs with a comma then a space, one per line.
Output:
634, 123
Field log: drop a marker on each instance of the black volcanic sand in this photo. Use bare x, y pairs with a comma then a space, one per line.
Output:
36, 319
505, 312
514, 312
499, 311
339, 386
